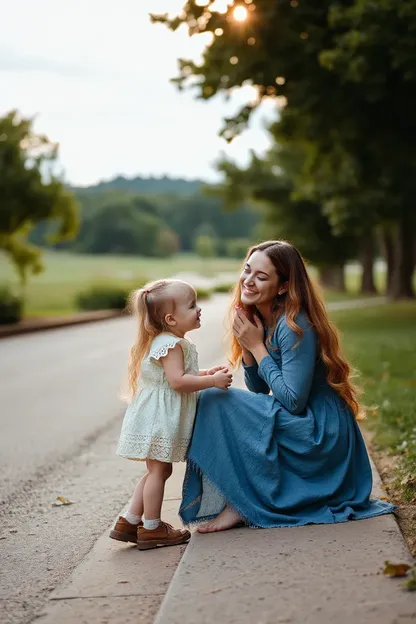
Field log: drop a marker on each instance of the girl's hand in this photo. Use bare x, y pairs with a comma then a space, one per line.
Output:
249, 335
222, 379
212, 371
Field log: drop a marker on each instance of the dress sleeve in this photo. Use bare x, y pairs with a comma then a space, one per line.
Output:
253, 381
291, 384
161, 345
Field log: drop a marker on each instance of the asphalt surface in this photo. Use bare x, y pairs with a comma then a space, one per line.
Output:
60, 416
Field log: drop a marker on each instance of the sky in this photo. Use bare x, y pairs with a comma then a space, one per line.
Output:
96, 73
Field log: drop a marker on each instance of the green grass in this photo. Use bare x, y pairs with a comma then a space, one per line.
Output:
54, 291
381, 343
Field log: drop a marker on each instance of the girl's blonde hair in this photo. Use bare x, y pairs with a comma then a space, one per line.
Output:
301, 294
150, 305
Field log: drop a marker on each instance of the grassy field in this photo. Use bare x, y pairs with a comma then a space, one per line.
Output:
381, 343
53, 292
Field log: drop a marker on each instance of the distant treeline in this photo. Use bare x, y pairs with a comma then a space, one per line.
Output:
156, 217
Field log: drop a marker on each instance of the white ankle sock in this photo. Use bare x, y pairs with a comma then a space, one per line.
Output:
131, 518
151, 524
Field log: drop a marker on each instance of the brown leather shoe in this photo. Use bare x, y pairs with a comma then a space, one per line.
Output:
125, 531
164, 535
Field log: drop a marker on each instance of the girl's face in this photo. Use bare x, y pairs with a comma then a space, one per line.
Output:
187, 313
259, 282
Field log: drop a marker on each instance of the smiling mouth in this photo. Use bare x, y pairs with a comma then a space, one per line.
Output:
249, 292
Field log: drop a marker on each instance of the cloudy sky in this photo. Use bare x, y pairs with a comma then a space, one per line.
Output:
96, 73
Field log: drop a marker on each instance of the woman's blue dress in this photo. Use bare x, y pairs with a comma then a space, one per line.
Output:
289, 458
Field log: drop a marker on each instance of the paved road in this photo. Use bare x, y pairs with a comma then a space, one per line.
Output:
60, 417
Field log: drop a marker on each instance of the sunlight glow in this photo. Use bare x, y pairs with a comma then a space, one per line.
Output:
240, 14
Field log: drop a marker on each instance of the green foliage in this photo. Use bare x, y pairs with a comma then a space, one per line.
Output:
203, 293
11, 306
271, 180
201, 214
30, 193
115, 221
167, 244
103, 297
144, 186
344, 79
237, 248
123, 228
223, 288
205, 246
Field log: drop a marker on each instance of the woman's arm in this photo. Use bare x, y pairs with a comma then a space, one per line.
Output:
292, 383
252, 380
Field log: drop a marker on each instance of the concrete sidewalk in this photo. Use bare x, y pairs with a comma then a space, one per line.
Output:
116, 583
308, 575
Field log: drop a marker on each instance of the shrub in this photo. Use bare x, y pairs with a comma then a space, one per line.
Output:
205, 247
103, 297
11, 307
167, 244
223, 288
237, 248
203, 293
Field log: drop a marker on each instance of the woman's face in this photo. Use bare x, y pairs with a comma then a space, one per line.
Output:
259, 281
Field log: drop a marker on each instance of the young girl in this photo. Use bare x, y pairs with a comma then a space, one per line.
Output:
164, 381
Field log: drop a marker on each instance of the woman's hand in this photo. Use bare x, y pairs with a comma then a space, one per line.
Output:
249, 335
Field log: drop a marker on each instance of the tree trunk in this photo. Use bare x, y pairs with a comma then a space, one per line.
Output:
403, 261
333, 277
368, 286
388, 251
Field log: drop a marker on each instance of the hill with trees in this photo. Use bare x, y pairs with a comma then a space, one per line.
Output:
156, 217
139, 185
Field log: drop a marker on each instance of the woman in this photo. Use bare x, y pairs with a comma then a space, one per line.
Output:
295, 456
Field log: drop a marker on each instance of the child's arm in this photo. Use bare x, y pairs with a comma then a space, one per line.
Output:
173, 366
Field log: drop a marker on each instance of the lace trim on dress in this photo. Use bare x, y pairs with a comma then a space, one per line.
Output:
135, 446
162, 351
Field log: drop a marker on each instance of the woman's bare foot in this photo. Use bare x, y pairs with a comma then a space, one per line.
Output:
227, 519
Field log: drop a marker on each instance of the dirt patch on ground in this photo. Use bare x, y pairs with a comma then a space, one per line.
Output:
406, 511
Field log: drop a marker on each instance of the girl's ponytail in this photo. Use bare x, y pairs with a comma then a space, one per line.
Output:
139, 306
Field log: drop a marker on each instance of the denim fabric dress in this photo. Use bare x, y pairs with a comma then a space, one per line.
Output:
289, 458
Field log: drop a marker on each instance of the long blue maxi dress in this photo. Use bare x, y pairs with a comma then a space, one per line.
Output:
289, 458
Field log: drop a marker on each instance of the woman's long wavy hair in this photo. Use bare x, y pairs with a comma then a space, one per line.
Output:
149, 305
301, 294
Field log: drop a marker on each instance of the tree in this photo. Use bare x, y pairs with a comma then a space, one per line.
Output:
205, 246
271, 180
122, 228
30, 193
167, 243
343, 74
375, 54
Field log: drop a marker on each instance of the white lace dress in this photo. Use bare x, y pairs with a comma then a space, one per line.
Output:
158, 422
